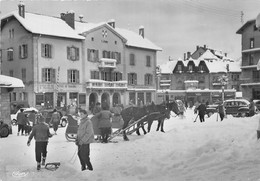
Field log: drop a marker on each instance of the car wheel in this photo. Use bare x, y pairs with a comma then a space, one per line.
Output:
4, 131
63, 123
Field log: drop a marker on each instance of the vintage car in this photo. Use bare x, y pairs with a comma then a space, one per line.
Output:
237, 107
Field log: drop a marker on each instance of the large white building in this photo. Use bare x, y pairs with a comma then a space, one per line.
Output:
64, 62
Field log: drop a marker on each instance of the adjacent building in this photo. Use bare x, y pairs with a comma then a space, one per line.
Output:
68, 63
198, 79
250, 43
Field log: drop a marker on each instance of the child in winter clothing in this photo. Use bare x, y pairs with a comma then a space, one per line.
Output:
85, 136
41, 134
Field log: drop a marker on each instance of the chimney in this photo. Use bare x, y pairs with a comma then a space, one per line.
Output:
188, 55
141, 31
225, 54
198, 47
205, 46
112, 23
81, 17
21, 9
69, 18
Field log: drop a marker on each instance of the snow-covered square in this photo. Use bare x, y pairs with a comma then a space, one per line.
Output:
209, 151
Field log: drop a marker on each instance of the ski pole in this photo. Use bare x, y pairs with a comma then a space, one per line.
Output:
196, 118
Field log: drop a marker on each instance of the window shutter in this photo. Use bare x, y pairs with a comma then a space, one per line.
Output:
77, 76
53, 75
77, 53
97, 59
42, 50
68, 53
43, 74
69, 76
120, 76
113, 55
92, 74
129, 78
135, 79
26, 51
50, 51
88, 54
20, 51
119, 58
104, 54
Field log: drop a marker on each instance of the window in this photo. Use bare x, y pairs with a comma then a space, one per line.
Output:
11, 73
251, 59
117, 76
131, 98
23, 51
92, 55
11, 33
24, 74
72, 53
148, 61
201, 68
190, 68
117, 56
148, 97
39, 99
82, 99
92, 38
73, 76
94, 74
106, 75
48, 75
132, 59
252, 42
132, 79
10, 54
106, 54
148, 79
179, 68
256, 76
46, 50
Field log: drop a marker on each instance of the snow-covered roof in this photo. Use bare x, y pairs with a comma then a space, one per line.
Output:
208, 55
136, 40
168, 67
7, 81
45, 25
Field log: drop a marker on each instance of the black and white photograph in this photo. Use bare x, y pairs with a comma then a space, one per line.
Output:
130, 90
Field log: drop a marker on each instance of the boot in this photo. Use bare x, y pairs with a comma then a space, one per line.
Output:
38, 165
43, 160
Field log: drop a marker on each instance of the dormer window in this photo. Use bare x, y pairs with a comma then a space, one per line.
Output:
190, 68
179, 68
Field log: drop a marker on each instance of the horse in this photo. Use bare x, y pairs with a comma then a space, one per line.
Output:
164, 111
132, 114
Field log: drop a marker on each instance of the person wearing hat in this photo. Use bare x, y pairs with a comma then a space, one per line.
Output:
41, 134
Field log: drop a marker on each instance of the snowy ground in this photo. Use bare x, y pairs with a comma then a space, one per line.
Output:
210, 151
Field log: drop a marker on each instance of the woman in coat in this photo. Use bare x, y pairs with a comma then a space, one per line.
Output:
104, 124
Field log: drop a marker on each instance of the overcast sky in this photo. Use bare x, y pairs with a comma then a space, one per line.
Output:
177, 26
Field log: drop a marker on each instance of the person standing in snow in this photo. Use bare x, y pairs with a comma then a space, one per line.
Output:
21, 121
105, 124
202, 111
41, 134
55, 120
258, 130
85, 136
221, 111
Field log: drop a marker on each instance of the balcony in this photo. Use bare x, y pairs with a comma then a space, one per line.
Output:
102, 84
107, 63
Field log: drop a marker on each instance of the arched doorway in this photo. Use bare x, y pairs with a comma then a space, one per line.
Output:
105, 99
116, 98
93, 99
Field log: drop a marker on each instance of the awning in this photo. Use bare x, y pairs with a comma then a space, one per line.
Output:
7, 81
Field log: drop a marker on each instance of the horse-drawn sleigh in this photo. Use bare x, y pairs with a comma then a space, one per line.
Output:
129, 120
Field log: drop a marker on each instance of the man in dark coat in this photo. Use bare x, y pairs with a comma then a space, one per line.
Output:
202, 111
21, 120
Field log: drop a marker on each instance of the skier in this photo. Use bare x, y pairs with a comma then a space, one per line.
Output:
85, 136
41, 134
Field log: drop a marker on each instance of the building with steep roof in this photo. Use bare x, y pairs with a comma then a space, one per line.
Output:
64, 62
250, 76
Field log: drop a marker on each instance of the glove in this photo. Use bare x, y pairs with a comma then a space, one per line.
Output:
28, 143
